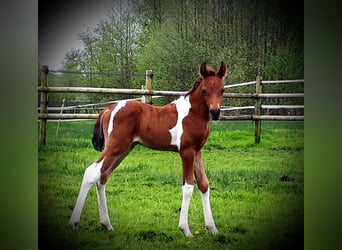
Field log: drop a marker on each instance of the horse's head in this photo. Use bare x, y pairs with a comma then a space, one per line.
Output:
212, 88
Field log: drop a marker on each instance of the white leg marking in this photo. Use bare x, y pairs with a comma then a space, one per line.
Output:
91, 176
208, 217
103, 209
183, 219
120, 105
182, 106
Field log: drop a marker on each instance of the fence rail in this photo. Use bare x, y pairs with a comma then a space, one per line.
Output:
266, 96
222, 117
109, 91
262, 117
158, 92
147, 94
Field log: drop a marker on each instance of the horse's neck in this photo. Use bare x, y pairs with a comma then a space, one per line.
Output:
199, 107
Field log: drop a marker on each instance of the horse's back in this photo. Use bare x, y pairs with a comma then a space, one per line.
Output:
136, 121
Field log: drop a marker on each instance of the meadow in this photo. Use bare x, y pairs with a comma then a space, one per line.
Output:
252, 206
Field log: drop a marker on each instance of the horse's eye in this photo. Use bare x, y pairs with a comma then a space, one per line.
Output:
204, 92
222, 91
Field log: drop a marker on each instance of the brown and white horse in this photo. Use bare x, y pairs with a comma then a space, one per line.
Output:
181, 126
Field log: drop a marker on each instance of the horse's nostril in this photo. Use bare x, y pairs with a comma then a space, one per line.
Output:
215, 113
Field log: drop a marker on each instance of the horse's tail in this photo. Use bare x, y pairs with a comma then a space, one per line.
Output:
98, 139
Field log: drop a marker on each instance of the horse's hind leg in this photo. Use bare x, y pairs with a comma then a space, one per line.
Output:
97, 173
91, 176
203, 186
101, 192
102, 201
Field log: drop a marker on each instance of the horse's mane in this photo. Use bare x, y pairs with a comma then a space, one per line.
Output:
197, 82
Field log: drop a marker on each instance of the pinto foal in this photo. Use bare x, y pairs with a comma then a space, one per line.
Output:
181, 126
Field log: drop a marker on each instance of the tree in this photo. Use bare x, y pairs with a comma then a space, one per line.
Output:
174, 37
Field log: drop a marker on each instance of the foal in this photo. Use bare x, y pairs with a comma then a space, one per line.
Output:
181, 126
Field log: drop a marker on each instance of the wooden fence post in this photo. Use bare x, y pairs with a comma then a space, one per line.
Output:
257, 129
43, 104
148, 85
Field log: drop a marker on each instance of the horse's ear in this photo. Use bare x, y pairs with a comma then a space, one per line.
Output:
222, 72
203, 70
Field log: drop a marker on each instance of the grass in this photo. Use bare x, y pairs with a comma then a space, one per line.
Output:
252, 208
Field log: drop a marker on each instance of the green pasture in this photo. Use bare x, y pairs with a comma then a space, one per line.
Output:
252, 207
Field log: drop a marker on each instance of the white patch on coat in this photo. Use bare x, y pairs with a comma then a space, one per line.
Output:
137, 139
120, 105
182, 106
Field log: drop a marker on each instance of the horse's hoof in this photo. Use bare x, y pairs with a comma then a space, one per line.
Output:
212, 229
186, 232
74, 225
109, 227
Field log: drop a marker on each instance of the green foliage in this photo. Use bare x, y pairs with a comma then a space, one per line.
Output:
252, 208
285, 64
163, 47
174, 37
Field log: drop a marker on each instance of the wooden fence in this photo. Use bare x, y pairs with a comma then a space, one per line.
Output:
148, 93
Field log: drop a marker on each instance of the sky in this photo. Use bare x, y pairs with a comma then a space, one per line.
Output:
58, 25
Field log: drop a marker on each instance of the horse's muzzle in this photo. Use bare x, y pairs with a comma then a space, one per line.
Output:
215, 114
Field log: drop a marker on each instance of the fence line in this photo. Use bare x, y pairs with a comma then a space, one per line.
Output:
148, 93
222, 117
94, 104
266, 96
263, 82
67, 116
282, 106
159, 92
140, 98
60, 72
239, 84
264, 107
109, 91
262, 117
283, 81
236, 108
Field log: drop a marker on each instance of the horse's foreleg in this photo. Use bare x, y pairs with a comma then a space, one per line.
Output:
183, 219
91, 176
187, 189
208, 217
203, 185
